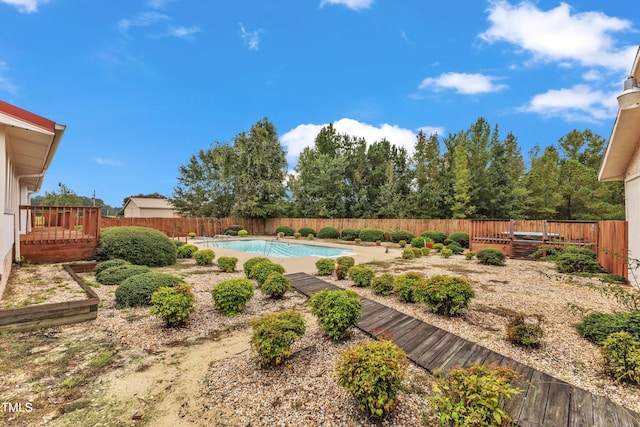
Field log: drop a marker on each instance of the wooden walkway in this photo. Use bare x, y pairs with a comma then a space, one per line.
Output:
545, 400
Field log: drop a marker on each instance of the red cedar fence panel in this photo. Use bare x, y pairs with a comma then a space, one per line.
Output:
613, 239
181, 227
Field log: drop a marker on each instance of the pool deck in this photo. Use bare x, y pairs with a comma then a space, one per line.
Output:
361, 254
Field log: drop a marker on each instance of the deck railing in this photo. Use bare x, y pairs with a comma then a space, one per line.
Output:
41, 224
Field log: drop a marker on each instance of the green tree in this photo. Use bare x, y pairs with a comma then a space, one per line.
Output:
541, 183
63, 196
500, 203
206, 184
461, 207
260, 172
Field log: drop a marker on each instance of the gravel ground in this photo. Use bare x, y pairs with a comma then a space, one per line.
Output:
305, 392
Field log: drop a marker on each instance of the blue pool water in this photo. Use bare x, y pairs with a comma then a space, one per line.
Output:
278, 249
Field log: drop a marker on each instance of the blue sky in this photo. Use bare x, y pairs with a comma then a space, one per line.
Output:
143, 84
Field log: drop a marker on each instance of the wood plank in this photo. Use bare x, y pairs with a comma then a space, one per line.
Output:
439, 362
386, 327
535, 404
477, 357
415, 349
581, 409
374, 318
462, 355
48, 323
514, 405
445, 341
414, 335
440, 352
558, 404
493, 359
404, 332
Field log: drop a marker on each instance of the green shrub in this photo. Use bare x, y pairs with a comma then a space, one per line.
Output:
425, 251
598, 326
191, 234
350, 234
417, 252
621, 357
174, 305
461, 238
382, 284
243, 233
342, 271
445, 295
138, 245
305, 231
438, 247
288, 231
546, 252
263, 269
296, 235
101, 266
273, 335
116, 275
231, 295
137, 290
248, 265
571, 262
447, 242
361, 276
336, 310
580, 251
346, 260
490, 256
328, 233
405, 285
178, 243
186, 251
435, 236
397, 235
402, 243
357, 241
204, 256
521, 332
276, 285
227, 263
455, 248
446, 252
373, 372
371, 234
469, 255
408, 253
233, 230
474, 396
310, 236
419, 242
325, 266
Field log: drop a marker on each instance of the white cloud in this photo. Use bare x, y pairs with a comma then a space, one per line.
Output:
464, 83
351, 4
250, 38
432, 130
557, 35
25, 6
183, 32
143, 19
108, 162
304, 135
579, 103
592, 76
5, 83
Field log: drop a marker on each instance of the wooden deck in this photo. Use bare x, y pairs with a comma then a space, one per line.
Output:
545, 400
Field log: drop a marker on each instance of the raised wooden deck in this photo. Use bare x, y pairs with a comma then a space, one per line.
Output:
545, 400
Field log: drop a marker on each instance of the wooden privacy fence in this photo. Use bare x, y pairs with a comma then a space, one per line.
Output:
181, 227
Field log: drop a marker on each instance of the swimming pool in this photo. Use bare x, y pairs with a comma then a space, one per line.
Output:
278, 249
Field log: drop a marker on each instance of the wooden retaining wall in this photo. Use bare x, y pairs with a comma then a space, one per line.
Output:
54, 314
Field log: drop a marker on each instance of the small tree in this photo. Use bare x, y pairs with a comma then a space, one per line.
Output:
337, 311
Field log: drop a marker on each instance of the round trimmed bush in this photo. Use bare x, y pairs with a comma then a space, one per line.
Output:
137, 290
119, 273
305, 231
621, 357
573, 262
233, 230
491, 256
138, 245
417, 252
342, 271
405, 284
461, 238
421, 242
361, 276
373, 372
227, 263
434, 235
276, 285
455, 248
397, 235
173, 304
204, 256
328, 233
349, 234
263, 269
438, 246
273, 335
179, 243
186, 251
346, 260
446, 295
408, 253
325, 266
336, 310
248, 265
230, 296
446, 253
285, 229
243, 233
101, 266
382, 284
371, 234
